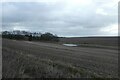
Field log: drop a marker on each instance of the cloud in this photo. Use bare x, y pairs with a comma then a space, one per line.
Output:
112, 29
61, 17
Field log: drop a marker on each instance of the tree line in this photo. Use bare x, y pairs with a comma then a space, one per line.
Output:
30, 36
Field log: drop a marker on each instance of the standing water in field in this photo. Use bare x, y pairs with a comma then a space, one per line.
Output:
71, 45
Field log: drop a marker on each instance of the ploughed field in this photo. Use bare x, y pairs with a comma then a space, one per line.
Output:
24, 59
105, 41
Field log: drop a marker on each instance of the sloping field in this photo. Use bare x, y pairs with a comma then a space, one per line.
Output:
24, 59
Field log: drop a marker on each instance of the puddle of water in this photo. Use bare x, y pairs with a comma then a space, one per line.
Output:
71, 45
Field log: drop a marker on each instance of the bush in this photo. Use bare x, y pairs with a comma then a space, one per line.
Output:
30, 38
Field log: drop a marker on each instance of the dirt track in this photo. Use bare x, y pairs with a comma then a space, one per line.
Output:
100, 62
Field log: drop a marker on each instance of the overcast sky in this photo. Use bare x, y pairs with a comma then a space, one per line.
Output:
63, 17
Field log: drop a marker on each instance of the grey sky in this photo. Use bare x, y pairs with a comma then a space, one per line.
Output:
63, 17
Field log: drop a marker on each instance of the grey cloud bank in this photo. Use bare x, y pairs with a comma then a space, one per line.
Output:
63, 17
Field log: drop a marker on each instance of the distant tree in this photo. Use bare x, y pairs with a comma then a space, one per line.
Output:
46, 36
49, 37
56, 38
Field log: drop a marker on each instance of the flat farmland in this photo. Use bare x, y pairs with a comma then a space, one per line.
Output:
106, 41
25, 59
